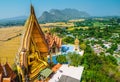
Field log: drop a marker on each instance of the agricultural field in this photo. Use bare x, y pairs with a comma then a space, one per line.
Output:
58, 24
9, 43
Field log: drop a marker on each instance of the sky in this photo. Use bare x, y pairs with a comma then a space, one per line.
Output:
14, 8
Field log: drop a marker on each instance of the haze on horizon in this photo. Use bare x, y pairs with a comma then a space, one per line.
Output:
14, 8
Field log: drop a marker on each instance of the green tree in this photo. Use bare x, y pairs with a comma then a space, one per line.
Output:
61, 59
68, 39
114, 46
83, 46
74, 59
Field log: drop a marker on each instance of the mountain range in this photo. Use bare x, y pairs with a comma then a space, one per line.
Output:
14, 21
55, 15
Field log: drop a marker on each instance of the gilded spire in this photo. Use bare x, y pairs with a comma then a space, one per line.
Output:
32, 10
76, 44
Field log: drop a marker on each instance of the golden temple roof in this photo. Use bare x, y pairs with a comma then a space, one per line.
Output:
34, 31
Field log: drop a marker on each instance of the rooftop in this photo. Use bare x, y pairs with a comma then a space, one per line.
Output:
68, 71
46, 72
56, 67
64, 78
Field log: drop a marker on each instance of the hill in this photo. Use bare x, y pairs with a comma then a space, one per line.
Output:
14, 21
55, 15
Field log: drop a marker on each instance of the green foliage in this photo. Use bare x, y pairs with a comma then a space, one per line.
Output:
74, 59
92, 61
97, 28
117, 76
114, 46
99, 68
14, 68
60, 31
89, 49
95, 76
61, 59
68, 39
83, 23
83, 46
112, 49
98, 24
110, 59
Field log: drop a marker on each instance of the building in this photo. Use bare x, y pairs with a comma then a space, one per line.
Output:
54, 43
66, 73
32, 57
6, 73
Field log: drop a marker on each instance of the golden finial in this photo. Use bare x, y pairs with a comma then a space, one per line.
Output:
32, 9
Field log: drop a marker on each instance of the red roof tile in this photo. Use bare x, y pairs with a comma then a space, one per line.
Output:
56, 67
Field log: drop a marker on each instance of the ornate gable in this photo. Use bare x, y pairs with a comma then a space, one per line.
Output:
34, 32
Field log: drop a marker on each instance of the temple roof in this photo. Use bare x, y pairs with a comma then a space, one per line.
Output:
7, 72
53, 39
34, 32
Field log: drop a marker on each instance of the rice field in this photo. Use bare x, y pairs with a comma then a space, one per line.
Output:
9, 43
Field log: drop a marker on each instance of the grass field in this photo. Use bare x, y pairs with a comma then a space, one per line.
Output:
9, 49
9, 43
57, 24
72, 28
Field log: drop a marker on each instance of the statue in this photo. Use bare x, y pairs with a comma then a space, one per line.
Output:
76, 42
